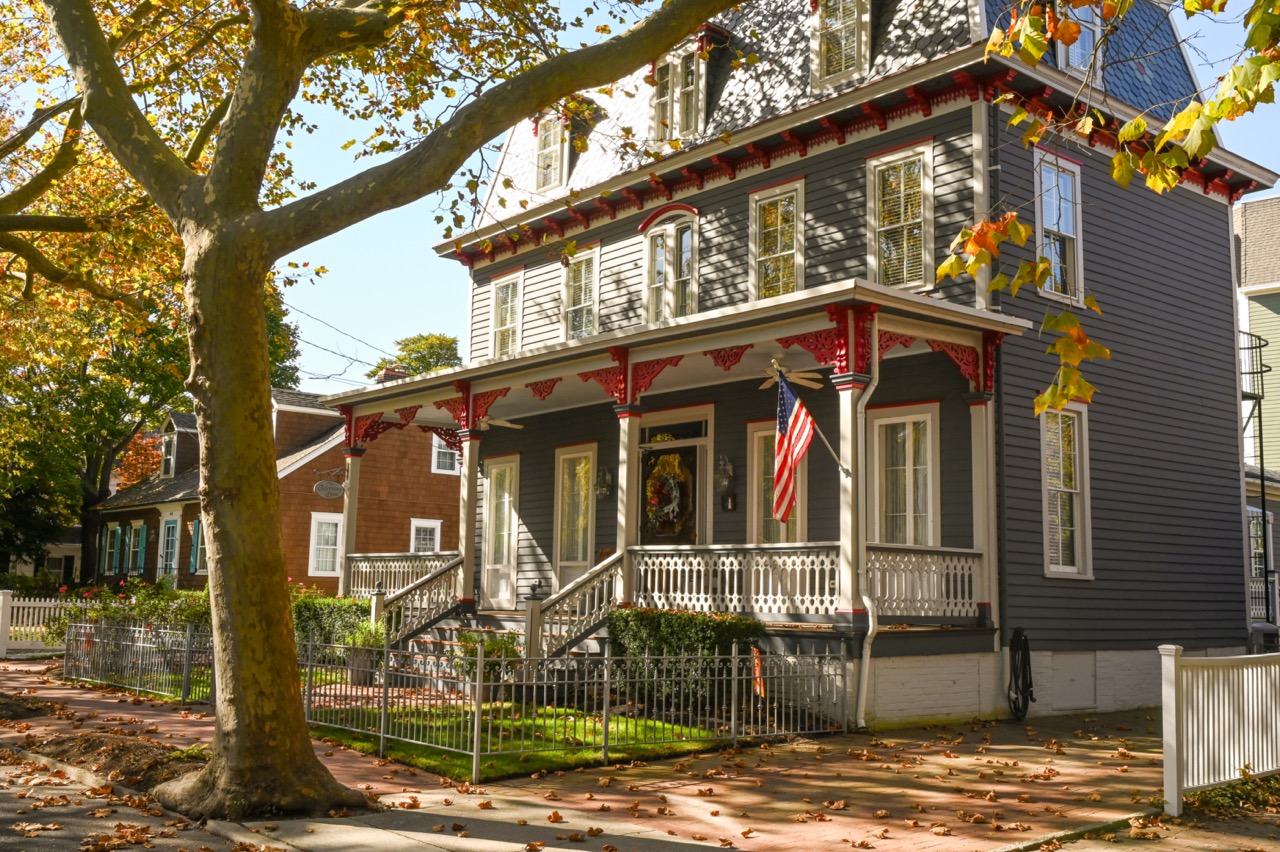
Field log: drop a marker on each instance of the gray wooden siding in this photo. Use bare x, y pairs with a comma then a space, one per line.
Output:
835, 234
1164, 459
481, 317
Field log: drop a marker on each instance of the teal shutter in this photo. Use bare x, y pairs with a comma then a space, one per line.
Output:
102, 550
115, 550
126, 534
142, 548
195, 545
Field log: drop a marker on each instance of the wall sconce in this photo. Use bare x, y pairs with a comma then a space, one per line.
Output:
724, 484
604, 484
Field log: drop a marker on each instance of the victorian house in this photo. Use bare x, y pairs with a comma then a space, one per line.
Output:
616, 443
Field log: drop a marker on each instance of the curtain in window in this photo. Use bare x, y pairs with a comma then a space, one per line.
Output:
581, 316
500, 497
575, 505
900, 197
1060, 464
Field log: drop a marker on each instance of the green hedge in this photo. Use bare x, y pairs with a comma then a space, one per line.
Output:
657, 632
328, 620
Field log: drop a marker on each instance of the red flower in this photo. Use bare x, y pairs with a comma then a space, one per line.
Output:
62, 590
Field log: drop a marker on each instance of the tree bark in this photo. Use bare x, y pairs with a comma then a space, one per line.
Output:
262, 759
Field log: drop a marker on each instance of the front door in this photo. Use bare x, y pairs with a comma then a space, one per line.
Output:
673, 460
501, 526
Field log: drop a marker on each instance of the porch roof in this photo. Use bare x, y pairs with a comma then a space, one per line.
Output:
758, 323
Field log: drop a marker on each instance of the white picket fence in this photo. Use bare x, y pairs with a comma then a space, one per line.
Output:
1221, 715
22, 622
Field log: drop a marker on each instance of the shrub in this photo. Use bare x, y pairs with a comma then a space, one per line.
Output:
497, 648
42, 585
658, 632
326, 619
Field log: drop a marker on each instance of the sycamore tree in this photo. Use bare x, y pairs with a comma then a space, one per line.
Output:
245, 67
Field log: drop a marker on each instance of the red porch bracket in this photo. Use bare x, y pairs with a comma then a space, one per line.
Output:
643, 373
459, 407
890, 339
990, 341
449, 437
965, 357
612, 379
862, 315
828, 345
543, 389
483, 401
727, 358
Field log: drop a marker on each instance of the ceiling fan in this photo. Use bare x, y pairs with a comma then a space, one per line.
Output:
486, 422
795, 377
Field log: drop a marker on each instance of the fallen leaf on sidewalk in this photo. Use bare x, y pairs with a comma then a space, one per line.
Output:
33, 829
555, 817
485, 805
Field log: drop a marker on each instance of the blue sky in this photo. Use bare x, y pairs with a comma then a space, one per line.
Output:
385, 282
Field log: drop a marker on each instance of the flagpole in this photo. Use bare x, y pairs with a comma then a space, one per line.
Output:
777, 372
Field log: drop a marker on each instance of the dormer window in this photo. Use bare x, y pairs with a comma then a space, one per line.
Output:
679, 93
1077, 58
840, 37
168, 454
552, 158
671, 273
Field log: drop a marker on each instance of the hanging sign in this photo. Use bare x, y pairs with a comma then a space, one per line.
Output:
328, 489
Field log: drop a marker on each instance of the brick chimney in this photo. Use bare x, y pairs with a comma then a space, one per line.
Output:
391, 372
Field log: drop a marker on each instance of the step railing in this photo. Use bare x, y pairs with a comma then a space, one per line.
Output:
926, 582
390, 571
423, 603
554, 625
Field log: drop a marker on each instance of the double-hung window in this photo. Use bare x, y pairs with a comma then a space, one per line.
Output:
777, 240
552, 153
424, 536
326, 544
1064, 458
1077, 58
575, 511
678, 90
1058, 225
839, 39
908, 501
580, 295
506, 316
764, 527
168, 454
900, 213
169, 547
673, 282
443, 459
137, 548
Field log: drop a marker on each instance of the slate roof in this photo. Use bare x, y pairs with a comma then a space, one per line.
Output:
183, 420
283, 462
299, 399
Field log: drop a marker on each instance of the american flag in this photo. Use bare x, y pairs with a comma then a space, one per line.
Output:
795, 431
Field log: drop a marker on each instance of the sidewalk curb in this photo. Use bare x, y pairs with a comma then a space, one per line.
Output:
79, 773
238, 833
1077, 833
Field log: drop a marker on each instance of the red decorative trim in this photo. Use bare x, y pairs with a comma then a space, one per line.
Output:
554, 226
990, 340
728, 357
643, 373
665, 211
543, 389
369, 426
862, 337
791, 138
833, 127
693, 175
877, 115
352, 452
634, 197
759, 153
345, 411
407, 414
827, 346
448, 437
483, 401
659, 184
920, 100
890, 339
457, 408
606, 208
965, 357
725, 165
839, 314
612, 379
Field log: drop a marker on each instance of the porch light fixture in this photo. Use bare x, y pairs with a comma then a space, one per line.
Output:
604, 484
724, 483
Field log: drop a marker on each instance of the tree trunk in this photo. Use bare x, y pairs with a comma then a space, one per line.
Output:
262, 760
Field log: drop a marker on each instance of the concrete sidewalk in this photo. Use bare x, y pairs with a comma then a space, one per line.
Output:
976, 787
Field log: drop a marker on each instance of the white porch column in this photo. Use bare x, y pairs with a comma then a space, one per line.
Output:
350, 502
982, 455
467, 525
849, 387
628, 495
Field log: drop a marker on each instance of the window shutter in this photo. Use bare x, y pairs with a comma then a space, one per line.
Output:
142, 548
122, 550
102, 550
195, 545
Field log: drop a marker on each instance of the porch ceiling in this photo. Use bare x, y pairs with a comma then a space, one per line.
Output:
549, 378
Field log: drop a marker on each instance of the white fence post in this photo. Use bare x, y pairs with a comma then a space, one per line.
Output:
1170, 656
6, 618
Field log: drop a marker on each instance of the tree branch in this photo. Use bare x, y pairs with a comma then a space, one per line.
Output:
38, 120
62, 161
34, 222
430, 163
38, 264
205, 133
110, 108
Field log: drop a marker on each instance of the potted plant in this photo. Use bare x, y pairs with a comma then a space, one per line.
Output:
365, 642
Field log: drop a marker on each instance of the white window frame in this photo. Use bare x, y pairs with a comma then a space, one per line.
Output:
679, 125
1079, 66
137, 549
930, 413
112, 564
168, 454
1084, 527
924, 152
318, 518
545, 123
1254, 515
516, 280
170, 539
438, 446
197, 543
669, 229
562, 454
583, 255
487, 596
1076, 281
416, 524
764, 196
767, 430
861, 63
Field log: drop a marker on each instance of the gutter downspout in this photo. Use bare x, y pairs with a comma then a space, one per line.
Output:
868, 600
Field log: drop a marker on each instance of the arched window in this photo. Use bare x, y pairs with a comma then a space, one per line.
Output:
671, 267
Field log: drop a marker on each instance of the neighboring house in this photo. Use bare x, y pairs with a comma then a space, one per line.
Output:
152, 529
62, 559
625, 311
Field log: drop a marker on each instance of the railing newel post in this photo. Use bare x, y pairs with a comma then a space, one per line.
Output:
1171, 695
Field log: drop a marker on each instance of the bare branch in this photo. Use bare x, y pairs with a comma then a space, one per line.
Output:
205, 133
62, 161
110, 108
38, 264
430, 163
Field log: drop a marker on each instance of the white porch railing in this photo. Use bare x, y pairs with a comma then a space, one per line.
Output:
1219, 717
1257, 598
929, 582
767, 579
395, 571
573, 611
22, 621
424, 602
